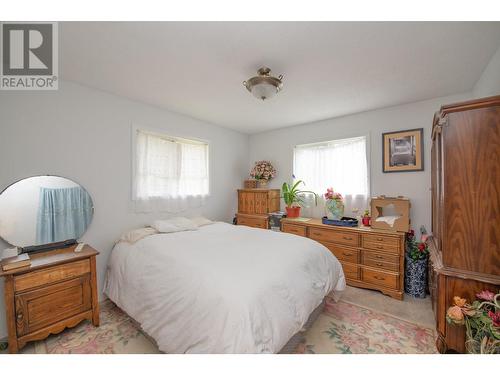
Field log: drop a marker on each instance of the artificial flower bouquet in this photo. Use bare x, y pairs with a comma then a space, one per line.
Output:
263, 170
330, 194
416, 250
481, 319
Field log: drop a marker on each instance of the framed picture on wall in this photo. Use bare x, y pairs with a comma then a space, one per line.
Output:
403, 151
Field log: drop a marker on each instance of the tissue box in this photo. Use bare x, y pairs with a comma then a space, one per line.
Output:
390, 213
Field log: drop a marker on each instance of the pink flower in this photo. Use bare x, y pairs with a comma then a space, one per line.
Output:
486, 295
495, 318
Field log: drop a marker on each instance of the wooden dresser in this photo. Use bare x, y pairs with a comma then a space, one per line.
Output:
370, 258
465, 179
255, 204
58, 290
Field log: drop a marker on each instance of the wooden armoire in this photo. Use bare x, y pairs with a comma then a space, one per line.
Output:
465, 253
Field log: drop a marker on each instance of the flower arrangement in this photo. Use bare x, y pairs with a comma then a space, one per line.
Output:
263, 170
416, 250
330, 194
334, 204
481, 319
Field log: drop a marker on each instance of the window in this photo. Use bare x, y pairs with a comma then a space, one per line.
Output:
169, 169
341, 164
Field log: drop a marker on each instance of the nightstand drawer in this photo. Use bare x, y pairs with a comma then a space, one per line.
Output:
45, 306
344, 238
385, 279
343, 253
294, 229
51, 275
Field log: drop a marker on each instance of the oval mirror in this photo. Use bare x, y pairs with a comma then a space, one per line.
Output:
44, 209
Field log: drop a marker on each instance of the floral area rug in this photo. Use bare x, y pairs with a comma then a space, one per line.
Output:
342, 328
350, 329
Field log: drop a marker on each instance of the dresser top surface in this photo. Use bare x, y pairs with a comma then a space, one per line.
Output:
53, 258
258, 190
317, 223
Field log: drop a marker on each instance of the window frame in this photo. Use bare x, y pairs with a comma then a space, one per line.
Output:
340, 138
166, 134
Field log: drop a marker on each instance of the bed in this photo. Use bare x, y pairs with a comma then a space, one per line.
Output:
222, 288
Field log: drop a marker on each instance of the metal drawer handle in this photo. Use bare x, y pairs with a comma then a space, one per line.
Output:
380, 239
379, 264
346, 254
347, 238
380, 247
378, 277
20, 316
379, 257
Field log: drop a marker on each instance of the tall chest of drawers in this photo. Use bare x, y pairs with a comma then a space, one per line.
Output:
254, 206
370, 258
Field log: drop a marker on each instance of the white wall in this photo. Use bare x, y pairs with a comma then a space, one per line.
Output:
84, 135
489, 82
277, 147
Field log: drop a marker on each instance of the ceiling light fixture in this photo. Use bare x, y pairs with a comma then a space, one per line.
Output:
264, 86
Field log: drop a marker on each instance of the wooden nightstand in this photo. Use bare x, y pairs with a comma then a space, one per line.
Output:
58, 290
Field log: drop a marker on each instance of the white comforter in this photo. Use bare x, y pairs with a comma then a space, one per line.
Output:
222, 288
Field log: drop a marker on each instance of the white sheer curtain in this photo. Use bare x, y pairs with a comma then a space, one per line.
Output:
341, 164
170, 174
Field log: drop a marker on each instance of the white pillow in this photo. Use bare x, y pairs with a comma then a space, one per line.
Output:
135, 235
201, 221
184, 223
176, 224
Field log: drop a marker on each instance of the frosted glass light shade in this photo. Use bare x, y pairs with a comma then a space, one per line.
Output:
264, 91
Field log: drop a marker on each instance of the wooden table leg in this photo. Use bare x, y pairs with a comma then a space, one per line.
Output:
11, 314
95, 301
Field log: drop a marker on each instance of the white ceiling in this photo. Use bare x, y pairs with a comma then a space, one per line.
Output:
331, 68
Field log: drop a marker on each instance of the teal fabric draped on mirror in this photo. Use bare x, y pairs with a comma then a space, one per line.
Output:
63, 213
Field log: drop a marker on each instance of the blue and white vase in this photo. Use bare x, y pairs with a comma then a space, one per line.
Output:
334, 209
416, 277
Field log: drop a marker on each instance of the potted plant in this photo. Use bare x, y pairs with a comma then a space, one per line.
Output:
334, 204
481, 319
263, 171
293, 198
366, 218
416, 260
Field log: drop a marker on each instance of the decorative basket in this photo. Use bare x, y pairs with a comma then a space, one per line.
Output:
416, 277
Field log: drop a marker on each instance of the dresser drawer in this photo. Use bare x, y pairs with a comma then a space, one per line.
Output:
51, 275
41, 307
381, 239
254, 222
385, 279
344, 238
375, 256
294, 229
381, 246
343, 253
351, 271
381, 264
